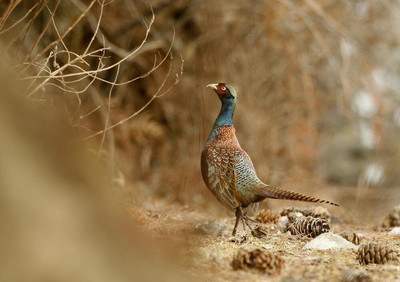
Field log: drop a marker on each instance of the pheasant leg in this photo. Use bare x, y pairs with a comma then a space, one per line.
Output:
239, 215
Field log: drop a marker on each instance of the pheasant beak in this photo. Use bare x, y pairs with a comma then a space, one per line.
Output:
213, 86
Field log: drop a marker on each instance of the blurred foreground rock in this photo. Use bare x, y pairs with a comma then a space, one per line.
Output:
61, 218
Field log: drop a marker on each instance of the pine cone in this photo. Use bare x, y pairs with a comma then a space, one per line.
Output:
316, 212
351, 237
375, 253
267, 216
393, 218
259, 259
320, 212
288, 211
356, 275
308, 226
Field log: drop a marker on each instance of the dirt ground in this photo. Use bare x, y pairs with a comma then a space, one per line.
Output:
208, 247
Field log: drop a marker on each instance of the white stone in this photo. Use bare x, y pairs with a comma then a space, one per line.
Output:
327, 241
395, 231
283, 223
364, 104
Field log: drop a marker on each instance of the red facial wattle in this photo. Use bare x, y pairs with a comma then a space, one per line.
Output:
222, 89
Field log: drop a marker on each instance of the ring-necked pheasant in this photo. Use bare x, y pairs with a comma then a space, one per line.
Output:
227, 169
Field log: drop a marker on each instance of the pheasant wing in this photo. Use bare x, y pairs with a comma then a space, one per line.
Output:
223, 176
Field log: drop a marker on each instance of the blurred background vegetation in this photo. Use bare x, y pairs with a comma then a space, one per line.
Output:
318, 111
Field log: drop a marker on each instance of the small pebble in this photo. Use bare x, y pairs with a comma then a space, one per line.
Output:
211, 228
395, 231
283, 223
329, 241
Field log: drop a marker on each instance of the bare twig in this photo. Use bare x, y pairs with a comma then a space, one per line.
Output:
7, 12
26, 28
65, 33
4, 18
157, 94
44, 29
108, 108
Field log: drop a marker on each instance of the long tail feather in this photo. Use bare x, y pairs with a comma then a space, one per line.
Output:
278, 193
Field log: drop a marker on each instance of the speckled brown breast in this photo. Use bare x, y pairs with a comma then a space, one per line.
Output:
227, 170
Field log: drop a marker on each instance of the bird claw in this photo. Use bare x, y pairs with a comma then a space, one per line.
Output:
242, 216
240, 239
247, 218
259, 232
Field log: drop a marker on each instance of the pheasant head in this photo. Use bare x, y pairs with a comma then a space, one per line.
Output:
225, 92
227, 96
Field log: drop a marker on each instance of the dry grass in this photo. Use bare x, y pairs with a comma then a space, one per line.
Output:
211, 249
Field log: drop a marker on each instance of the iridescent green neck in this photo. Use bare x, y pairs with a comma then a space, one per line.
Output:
224, 118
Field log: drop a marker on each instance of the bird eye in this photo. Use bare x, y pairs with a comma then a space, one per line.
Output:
223, 88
